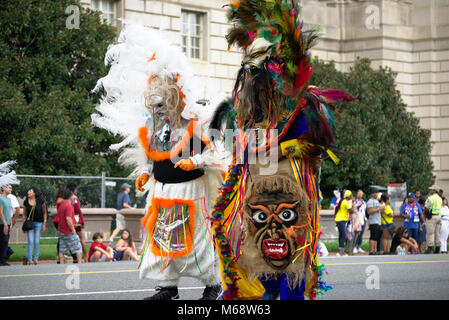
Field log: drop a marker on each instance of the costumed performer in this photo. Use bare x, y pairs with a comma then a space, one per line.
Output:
266, 226
151, 101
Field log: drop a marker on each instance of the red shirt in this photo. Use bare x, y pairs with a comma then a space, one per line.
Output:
56, 219
93, 246
65, 210
77, 207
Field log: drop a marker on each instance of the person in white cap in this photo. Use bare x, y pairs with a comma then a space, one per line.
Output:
433, 221
123, 202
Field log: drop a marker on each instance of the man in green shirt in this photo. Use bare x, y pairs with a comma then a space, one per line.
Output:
5, 221
433, 225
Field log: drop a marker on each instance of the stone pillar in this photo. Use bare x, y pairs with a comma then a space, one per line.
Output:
133, 219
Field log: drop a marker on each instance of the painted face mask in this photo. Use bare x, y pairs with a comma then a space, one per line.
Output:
276, 223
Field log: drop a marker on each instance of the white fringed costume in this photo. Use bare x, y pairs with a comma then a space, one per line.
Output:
150, 100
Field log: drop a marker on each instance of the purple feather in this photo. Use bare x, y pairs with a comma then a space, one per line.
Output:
333, 95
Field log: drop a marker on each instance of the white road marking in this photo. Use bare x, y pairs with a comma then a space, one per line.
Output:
89, 293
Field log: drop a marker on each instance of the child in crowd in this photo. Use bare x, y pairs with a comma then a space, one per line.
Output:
402, 243
125, 249
99, 252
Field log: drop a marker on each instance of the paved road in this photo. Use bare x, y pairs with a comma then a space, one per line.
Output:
358, 277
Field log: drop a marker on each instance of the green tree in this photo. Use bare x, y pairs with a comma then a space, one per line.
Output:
47, 72
378, 141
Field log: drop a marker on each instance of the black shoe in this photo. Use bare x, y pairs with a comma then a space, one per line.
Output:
165, 293
9, 252
4, 264
211, 292
429, 251
437, 249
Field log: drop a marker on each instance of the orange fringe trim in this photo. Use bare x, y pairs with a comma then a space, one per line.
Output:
150, 219
161, 156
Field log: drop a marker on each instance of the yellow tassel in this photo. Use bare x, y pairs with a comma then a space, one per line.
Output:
333, 156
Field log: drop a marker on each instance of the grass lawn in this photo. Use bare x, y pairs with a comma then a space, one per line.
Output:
47, 249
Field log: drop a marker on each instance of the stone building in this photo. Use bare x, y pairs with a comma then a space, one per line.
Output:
410, 36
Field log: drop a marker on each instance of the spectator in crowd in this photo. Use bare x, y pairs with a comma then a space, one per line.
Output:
34, 209
15, 213
354, 228
15, 207
411, 211
360, 207
387, 223
336, 199
5, 223
58, 201
79, 218
402, 243
374, 211
98, 251
68, 239
418, 196
444, 233
433, 221
125, 249
440, 193
421, 227
123, 201
343, 210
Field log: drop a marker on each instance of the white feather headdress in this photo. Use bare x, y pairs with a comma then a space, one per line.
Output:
140, 53
7, 177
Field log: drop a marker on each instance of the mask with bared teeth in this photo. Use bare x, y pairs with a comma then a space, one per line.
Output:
276, 224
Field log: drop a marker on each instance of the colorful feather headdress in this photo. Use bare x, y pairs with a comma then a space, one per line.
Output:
272, 91
274, 24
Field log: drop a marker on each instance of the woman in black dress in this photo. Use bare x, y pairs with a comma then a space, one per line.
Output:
34, 209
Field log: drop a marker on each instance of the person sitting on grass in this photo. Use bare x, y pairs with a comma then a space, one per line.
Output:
402, 243
99, 252
125, 249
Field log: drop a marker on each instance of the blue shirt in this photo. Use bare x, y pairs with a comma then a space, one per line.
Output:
407, 209
5, 203
334, 201
122, 197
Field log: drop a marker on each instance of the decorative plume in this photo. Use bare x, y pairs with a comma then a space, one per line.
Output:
7, 177
140, 54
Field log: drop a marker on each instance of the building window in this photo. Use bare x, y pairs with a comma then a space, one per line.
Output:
107, 8
192, 34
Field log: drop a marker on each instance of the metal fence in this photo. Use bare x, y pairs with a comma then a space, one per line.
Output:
93, 191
